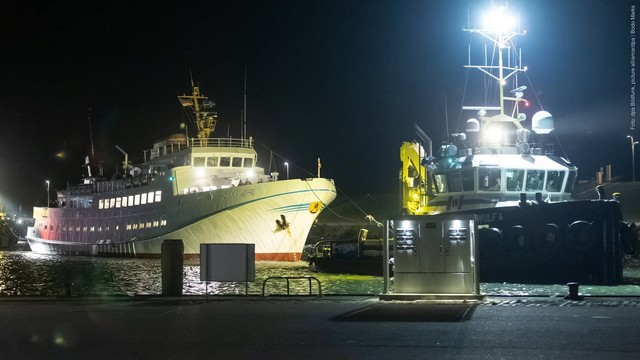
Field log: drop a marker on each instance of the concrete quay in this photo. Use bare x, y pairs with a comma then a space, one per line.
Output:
317, 327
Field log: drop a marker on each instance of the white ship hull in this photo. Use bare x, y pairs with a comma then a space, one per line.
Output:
275, 216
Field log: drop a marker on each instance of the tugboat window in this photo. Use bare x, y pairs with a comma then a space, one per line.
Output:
454, 182
225, 161
570, 182
515, 179
248, 163
441, 183
489, 179
237, 162
468, 183
554, 180
535, 180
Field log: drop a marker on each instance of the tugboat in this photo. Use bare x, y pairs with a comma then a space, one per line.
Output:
520, 190
198, 190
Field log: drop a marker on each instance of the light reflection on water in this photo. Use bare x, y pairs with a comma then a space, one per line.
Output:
27, 273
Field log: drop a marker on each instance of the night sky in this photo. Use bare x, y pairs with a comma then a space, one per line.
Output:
341, 80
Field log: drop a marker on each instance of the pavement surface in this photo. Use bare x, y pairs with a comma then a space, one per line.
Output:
317, 327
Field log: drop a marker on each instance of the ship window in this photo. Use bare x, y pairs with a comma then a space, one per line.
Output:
225, 161
489, 179
571, 180
554, 180
118, 202
454, 181
535, 179
198, 161
248, 162
236, 162
150, 197
467, 180
143, 198
158, 196
441, 183
136, 199
124, 201
112, 202
515, 179
101, 204
130, 200
212, 161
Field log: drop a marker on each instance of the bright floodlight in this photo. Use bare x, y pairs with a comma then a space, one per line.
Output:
499, 20
493, 134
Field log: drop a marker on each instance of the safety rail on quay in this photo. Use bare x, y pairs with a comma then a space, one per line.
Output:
288, 278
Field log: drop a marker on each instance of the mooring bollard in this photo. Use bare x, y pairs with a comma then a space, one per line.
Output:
574, 288
172, 267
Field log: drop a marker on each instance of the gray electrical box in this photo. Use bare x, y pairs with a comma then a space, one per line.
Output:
436, 254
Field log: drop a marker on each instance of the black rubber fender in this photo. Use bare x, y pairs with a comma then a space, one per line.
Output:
518, 239
548, 237
629, 237
581, 236
492, 242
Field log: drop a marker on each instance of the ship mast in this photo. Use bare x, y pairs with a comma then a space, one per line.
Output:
498, 29
203, 110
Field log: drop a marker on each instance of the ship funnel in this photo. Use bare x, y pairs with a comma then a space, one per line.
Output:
542, 123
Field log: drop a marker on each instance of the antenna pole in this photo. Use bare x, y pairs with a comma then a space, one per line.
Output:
244, 118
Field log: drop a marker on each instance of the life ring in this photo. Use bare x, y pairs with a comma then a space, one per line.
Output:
315, 206
548, 237
580, 236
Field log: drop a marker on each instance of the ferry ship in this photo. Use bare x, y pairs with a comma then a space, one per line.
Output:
198, 190
530, 228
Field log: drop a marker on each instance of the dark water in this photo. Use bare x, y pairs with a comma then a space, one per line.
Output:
27, 273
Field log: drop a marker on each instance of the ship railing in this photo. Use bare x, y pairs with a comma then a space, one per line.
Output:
222, 142
164, 150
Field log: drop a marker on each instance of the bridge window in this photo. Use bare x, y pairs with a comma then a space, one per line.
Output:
571, 180
454, 181
198, 161
554, 180
248, 162
225, 161
441, 183
489, 179
515, 179
535, 179
236, 162
212, 161
468, 183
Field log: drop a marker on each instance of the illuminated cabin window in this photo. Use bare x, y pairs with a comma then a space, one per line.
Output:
489, 179
99, 228
236, 162
148, 224
124, 201
84, 229
212, 161
150, 197
515, 179
554, 180
118, 202
535, 180
112, 202
136, 199
156, 223
158, 196
128, 226
143, 198
130, 201
101, 204
163, 222
198, 161
92, 229
248, 162
225, 161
